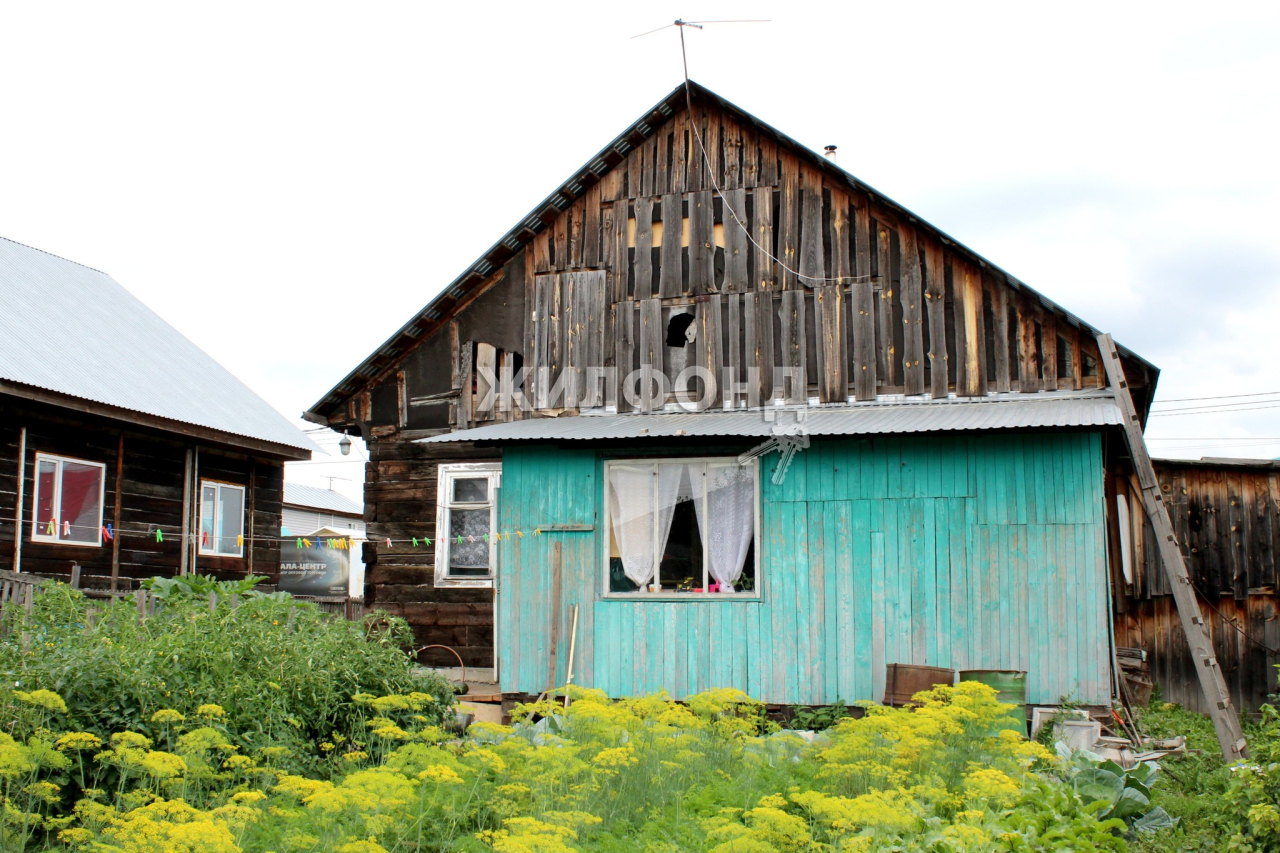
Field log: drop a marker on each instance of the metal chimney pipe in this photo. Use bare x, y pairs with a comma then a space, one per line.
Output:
830, 153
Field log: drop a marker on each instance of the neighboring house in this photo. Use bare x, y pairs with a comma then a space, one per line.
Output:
124, 448
323, 513
1226, 513
949, 509
309, 508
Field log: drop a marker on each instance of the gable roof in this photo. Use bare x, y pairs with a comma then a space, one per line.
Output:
312, 497
436, 312
74, 331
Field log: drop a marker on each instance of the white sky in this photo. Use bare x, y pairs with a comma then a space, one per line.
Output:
287, 183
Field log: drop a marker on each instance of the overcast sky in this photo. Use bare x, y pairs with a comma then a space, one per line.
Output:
287, 183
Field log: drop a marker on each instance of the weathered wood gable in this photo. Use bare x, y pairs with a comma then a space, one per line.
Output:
782, 262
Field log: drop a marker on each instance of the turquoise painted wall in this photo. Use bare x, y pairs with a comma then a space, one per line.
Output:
973, 552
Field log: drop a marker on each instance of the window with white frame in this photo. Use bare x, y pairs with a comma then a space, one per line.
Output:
466, 517
681, 526
221, 519
68, 500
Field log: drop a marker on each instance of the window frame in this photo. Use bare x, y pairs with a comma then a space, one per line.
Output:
36, 535
756, 595
217, 507
446, 474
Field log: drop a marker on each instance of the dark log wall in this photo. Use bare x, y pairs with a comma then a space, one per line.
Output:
1227, 519
400, 503
150, 495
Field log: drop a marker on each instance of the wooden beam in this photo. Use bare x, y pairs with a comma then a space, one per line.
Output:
864, 306
912, 310
17, 509
935, 300
1218, 700
115, 515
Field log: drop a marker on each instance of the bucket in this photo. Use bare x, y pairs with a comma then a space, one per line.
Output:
902, 681
1010, 684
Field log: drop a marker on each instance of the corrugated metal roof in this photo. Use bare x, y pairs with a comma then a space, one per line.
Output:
1070, 409
317, 498
73, 330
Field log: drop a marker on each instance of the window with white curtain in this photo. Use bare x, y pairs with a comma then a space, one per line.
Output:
681, 527
466, 517
68, 500
221, 519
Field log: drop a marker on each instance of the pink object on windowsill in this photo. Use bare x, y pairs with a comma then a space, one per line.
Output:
715, 587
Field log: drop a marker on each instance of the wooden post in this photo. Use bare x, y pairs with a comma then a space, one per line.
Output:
186, 513
115, 515
75, 575
1225, 721
141, 597
17, 511
555, 615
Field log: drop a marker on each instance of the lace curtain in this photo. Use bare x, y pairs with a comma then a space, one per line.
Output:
638, 493
731, 508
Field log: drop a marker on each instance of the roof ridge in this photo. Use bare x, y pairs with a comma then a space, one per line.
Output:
52, 255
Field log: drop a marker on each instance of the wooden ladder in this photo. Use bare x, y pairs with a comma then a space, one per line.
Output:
1225, 720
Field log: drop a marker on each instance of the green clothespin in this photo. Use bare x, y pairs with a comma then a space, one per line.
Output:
459, 538
415, 541
426, 542
52, 529
299, 542
159, 535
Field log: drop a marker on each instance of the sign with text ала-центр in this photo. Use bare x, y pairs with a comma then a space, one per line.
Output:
317, 571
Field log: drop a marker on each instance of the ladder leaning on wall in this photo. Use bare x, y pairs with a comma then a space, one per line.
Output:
1226, 722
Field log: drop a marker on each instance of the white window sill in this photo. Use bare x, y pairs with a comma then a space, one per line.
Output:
239, 556
53, 540
474, 583
692, 597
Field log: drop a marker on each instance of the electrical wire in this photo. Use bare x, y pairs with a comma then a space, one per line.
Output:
688, 93
1215, 397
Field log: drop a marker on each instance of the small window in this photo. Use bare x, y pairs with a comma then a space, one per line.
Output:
466, 516
698, 516
68, 500
221, 519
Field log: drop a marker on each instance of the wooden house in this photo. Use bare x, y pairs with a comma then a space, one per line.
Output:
562, 441
1226, 513
124, 448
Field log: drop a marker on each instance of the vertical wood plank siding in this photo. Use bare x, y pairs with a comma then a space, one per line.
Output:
965, 551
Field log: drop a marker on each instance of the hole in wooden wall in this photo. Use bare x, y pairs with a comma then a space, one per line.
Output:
678, 329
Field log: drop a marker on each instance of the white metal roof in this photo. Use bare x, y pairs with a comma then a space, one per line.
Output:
313, 497
73, 330
1058, 409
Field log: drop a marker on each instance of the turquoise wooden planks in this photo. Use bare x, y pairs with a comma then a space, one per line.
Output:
982, 551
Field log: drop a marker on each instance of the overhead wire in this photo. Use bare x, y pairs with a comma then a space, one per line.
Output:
688, 93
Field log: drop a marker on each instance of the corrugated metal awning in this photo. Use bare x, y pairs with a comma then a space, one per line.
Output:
1070, 409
